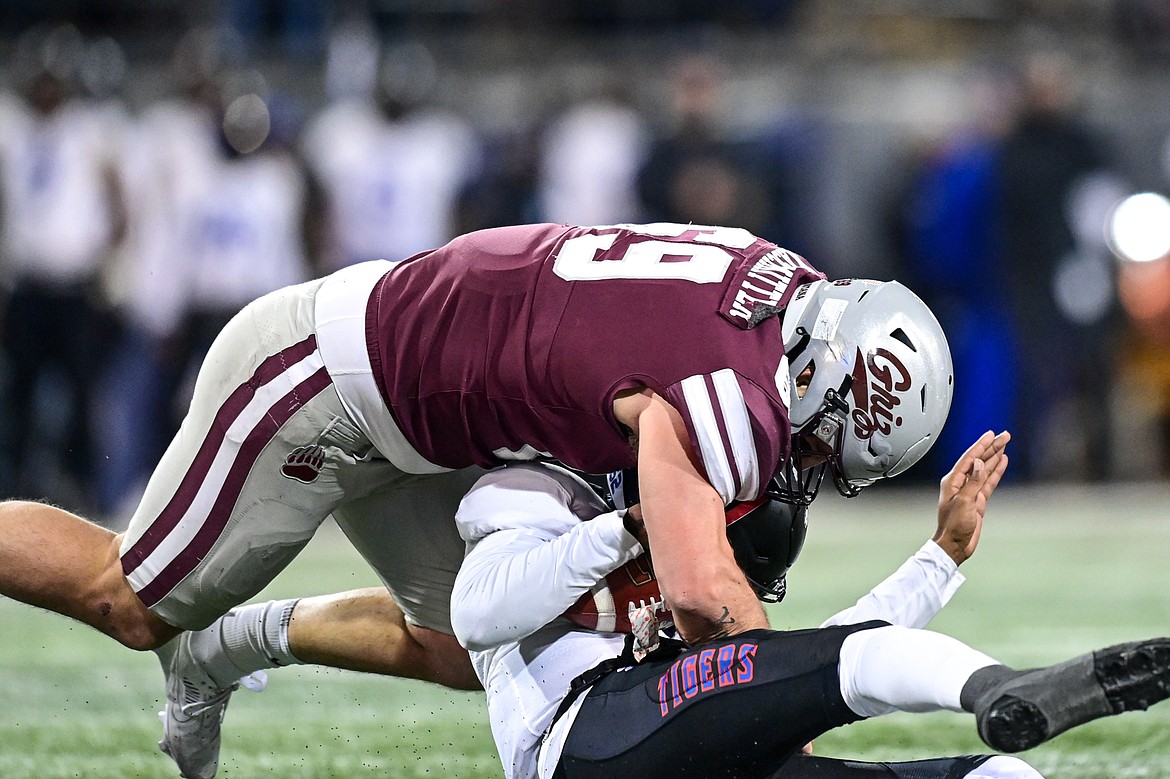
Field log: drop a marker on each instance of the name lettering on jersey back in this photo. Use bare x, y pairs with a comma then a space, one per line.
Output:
763, 290
701, 672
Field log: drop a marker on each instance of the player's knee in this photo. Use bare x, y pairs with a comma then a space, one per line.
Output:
139, 642
142, 634
115, 609
459, 674
442, 660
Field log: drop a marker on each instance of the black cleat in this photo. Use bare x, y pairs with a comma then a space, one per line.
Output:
1027, 708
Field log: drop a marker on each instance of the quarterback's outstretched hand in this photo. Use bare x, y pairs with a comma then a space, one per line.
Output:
964, 492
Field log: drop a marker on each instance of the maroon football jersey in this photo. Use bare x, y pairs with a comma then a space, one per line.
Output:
512, 343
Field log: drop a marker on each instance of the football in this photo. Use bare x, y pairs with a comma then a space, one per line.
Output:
607, 606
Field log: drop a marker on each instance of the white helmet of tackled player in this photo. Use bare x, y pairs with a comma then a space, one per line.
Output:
873, 382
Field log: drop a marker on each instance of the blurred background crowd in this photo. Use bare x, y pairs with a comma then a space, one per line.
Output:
164, 162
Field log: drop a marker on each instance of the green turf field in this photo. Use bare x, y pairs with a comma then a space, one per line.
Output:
1059, 572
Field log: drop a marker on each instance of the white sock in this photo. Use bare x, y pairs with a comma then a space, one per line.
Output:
244, 640
1004, 767
905, 669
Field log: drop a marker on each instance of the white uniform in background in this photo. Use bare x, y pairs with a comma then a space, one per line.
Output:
392, 186
171, 157
58, 219
242, 236
589, 165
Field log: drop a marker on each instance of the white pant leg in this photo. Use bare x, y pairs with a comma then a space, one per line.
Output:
905, 669
221, 515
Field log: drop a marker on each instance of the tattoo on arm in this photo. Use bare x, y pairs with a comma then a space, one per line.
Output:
725, 623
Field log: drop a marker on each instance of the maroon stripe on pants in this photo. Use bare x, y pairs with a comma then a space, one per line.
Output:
233, 485
188, 488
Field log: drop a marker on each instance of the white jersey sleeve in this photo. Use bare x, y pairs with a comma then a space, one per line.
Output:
530, 557
912, 595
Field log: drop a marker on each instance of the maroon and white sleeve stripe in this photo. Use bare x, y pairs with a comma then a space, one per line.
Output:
196, 515
720, 424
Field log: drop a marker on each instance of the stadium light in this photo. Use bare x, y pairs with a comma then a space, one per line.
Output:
1139, 228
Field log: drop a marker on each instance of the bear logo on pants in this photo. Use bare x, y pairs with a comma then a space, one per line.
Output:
304, 463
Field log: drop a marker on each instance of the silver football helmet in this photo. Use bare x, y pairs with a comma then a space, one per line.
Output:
872, 383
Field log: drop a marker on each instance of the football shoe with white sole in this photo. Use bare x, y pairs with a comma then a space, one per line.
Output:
195, 708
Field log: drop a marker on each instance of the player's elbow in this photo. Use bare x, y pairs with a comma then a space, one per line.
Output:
472, 628
479, 629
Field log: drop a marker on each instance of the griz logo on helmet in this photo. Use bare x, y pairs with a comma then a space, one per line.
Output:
876, 380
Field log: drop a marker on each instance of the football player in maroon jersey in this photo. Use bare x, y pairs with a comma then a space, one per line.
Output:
379, 394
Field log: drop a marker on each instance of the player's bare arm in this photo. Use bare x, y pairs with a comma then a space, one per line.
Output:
686, 527
964, 492
56, 560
